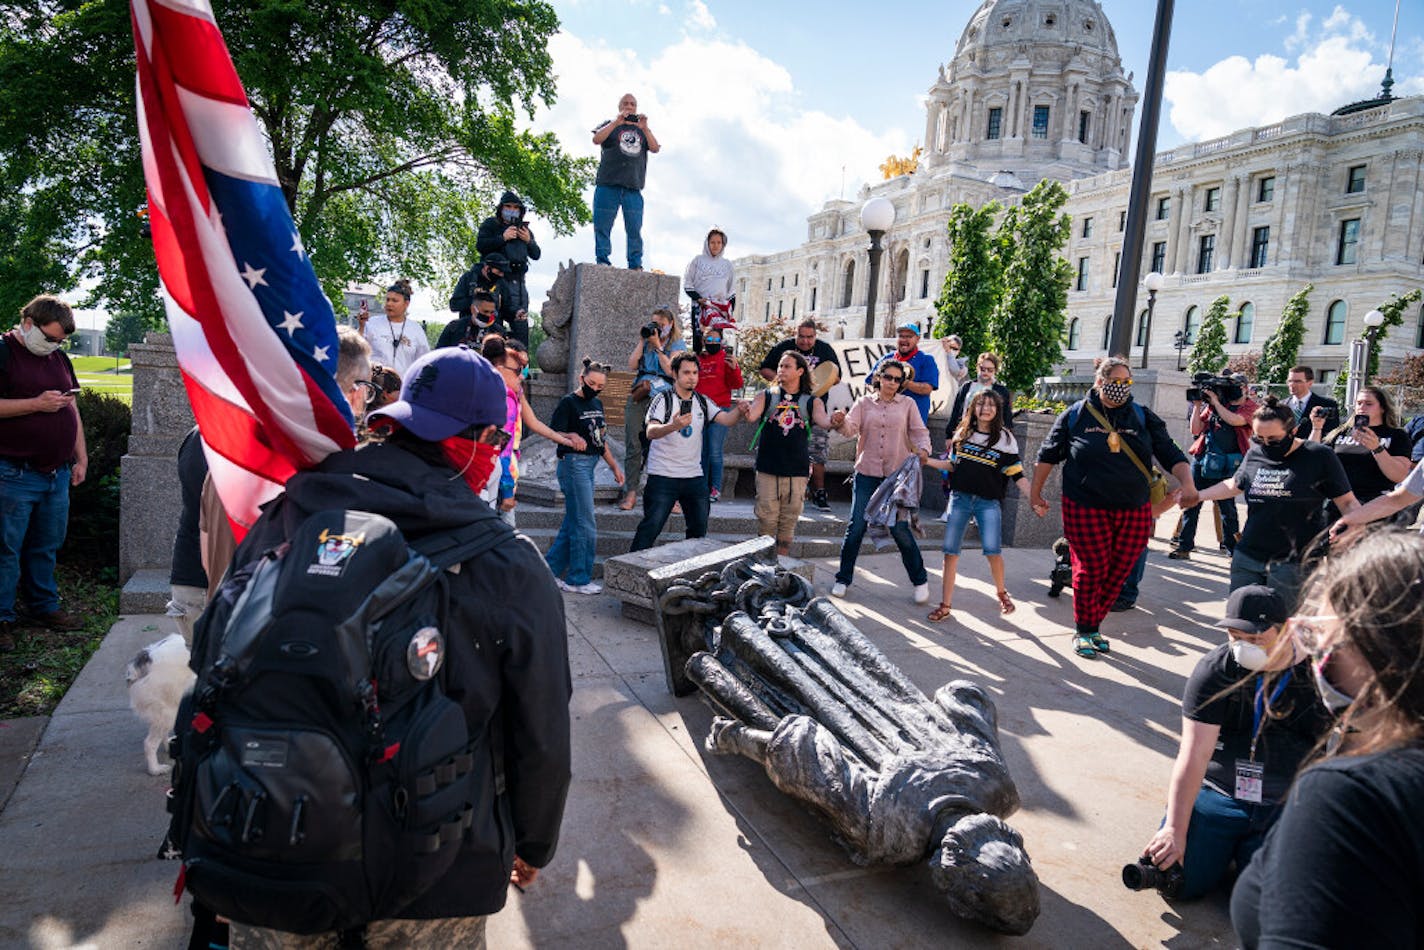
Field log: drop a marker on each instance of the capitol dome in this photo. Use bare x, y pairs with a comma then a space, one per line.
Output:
1035, 87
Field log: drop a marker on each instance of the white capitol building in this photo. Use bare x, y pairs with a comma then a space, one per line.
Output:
1036, 89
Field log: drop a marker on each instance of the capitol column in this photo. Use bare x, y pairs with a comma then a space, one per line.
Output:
1241, 242
932, 111
1228, 224
1184, 250
1174, 224
1285, 178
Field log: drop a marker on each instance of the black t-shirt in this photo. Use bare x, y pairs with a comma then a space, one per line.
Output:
1094, 475
1344, 865
1285, 500
187, 567
820, 353
581, 417
623, 162
1361, 470
784, 446
984, 470
1222, 692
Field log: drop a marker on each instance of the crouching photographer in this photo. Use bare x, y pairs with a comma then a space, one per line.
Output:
651, 358
1221, 425
1250, 717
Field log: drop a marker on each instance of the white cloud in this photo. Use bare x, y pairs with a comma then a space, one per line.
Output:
1335, 64
699, 17
739, 150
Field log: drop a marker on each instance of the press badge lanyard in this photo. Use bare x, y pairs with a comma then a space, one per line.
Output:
1258, 710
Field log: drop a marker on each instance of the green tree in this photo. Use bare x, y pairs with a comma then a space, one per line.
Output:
123, 329
1027, 327
392, 124
1209, 351
973, 285
1393, 310
1280, 351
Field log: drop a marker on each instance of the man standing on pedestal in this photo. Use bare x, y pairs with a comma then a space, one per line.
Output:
626, 141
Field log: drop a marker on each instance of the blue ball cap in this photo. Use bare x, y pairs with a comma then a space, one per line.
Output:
911, 325
447, 391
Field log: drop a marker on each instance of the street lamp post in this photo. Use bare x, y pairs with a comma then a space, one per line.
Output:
876, 217
1179, 340
1153, 283
1360, 351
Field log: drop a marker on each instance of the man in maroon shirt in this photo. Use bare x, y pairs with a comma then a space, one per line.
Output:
42, 454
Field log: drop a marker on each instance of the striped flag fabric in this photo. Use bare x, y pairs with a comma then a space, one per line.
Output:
254, 334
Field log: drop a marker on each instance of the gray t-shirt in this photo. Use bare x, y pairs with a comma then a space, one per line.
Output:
624, 160
1414, 484
678, 455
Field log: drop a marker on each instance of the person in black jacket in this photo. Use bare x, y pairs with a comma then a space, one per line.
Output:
488, 275
469, 329
1308, 406
1107, 510
988, 369
507, 233
444, 437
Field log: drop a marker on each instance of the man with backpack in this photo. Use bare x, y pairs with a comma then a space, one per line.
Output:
675, 422
378, 739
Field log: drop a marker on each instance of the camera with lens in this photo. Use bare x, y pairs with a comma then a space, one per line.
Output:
648, 330
632, 117
1145, 874
1227, 389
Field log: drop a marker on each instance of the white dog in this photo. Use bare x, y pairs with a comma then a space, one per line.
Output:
158, 677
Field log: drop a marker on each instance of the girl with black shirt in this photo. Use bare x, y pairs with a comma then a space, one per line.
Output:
1375, 456
783, 453
1344, 864
580, 413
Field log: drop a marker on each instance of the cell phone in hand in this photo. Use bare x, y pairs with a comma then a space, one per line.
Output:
685, 407
1362, 421
75, 392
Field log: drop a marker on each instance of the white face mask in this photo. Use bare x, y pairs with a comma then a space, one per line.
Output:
1249, 655
1335, 699
37, 343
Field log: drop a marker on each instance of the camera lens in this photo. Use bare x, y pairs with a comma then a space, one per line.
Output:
1136, 877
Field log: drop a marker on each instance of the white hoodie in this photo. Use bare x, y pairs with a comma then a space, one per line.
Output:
709, 275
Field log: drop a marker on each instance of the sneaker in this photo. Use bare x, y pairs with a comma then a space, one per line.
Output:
819, 499
944, 515
59, 620
838, 589
1180, 554
565, 587
592, 587
714, 496
922, 593
7, 636
1121, 605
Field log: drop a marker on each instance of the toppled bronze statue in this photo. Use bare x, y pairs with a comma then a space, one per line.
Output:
838, 726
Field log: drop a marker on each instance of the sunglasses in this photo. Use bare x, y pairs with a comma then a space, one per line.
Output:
1311, 633
1258, 440
893, 377
371, 390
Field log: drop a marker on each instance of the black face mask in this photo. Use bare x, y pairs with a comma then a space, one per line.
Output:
589, 392
713, 347
1276, 451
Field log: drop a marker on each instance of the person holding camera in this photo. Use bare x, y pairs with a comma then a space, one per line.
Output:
625, 141
676, 420
718, 375
1250, 717
1344, 864
1221, 425
659, 340
1286, 481
1371, 447
507, 234
1307, 405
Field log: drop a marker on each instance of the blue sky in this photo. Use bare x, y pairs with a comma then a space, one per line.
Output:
767, 109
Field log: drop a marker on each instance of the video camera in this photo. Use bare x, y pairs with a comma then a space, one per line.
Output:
1227, 389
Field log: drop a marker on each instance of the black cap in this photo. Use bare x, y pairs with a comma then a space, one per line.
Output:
1254, 609
496, 259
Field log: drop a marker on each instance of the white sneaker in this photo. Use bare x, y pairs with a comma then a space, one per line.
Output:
922, 593
944, 516
566, 588
592, 587
838, 589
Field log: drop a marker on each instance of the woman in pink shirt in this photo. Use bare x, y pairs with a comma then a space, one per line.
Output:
890, 429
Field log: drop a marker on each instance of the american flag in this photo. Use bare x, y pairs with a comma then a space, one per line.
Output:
254, 334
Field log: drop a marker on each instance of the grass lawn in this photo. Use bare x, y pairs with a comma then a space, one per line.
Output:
98, 373
36, 676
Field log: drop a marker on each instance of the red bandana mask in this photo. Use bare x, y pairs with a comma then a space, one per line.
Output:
908, 356
474, 461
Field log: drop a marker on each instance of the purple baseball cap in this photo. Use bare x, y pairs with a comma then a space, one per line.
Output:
447, 391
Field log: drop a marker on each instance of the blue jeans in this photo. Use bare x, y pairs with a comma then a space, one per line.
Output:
660, 495
910, 556
1186, 538
607, 200
571, 554
1283, 577
1129, 586
1222, 831
986, 512
34, 515
714, 437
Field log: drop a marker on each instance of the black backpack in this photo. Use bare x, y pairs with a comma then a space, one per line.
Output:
322, 776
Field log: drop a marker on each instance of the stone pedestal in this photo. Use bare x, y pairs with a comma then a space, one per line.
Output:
148, 482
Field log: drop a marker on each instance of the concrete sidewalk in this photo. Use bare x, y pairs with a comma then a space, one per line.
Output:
664, 844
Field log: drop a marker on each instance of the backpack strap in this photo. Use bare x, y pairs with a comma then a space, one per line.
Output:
445, 549
803, 403
767, 409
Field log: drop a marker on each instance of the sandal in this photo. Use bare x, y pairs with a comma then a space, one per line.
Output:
629, 501
1083, 646
1006, 606
940, 614
1099, 642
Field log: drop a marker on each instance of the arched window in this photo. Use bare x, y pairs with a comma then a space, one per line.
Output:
1107, 332
1335, 323
1245, 323
849, 283
1075, 333
1192, 324
1141, 329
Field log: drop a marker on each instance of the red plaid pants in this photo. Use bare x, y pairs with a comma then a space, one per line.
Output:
1105, 543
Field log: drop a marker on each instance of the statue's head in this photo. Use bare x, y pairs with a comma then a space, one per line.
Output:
986, 875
